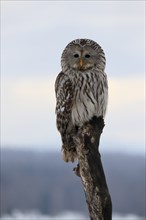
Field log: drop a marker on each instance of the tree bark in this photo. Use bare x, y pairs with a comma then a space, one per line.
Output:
91, 171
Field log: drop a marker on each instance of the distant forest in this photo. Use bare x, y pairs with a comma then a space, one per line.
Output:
32, 180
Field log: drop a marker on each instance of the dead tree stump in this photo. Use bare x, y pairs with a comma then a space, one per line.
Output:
91, 171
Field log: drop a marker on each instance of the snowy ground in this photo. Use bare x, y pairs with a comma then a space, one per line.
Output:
16, 215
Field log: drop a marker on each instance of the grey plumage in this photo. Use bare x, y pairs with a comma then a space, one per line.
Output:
81, 90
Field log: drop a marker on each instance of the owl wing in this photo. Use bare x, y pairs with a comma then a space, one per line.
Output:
101, 94
64, 96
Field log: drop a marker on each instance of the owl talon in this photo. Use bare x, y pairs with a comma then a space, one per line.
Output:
77, 170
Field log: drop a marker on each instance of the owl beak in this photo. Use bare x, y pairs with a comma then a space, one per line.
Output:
81, 63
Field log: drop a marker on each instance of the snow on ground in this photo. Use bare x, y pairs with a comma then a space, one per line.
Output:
17, 215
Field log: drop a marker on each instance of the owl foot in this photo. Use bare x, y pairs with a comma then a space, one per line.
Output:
77, 170
69, 155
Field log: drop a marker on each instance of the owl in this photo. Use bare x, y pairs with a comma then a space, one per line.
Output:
81, 91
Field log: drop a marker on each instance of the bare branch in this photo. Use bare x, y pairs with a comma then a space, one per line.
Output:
91, 171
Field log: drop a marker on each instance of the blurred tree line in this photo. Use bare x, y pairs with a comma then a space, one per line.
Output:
33, 180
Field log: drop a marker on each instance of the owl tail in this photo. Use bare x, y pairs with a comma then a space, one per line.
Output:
69, 147
69, 155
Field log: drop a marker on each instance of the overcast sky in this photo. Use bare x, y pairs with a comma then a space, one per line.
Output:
33, 36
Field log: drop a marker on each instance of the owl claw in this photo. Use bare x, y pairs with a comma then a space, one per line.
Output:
77, 170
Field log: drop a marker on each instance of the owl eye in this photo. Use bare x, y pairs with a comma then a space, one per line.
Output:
87, 56
76, 55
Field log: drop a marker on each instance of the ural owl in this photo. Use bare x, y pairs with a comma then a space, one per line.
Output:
81, 91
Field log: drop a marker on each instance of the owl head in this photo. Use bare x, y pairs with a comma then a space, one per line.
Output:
82, 55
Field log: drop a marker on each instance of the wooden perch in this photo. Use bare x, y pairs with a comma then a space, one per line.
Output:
91, 171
